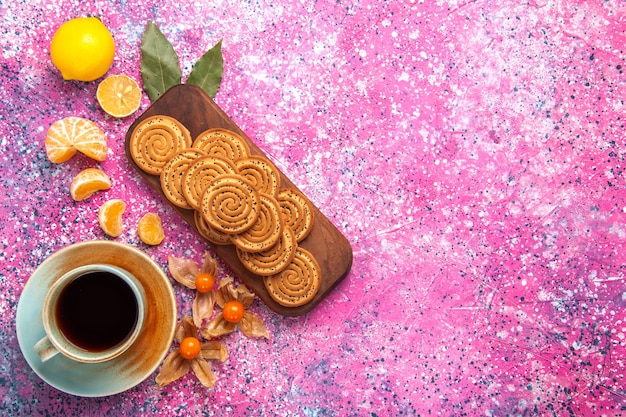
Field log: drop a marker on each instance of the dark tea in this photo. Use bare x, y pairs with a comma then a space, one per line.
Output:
97, 311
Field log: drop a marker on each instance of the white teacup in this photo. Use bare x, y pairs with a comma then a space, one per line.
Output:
92, 314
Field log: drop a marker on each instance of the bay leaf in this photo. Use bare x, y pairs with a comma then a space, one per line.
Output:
207, 71
160, 68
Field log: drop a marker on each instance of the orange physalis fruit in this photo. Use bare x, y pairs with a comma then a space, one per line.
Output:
233, 311
66, 136
190, 347
119, 95
87, 182
150, 229
110, 217
205, 282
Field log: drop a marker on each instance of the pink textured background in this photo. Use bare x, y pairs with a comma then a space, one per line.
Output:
473, 152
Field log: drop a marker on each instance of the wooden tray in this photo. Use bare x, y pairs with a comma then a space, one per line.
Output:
192, 107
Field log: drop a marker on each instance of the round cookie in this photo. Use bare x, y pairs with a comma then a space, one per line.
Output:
208, 232
260, 172
173, 173
201, 173
298, 283
230, 204
155, 140
273, 260
297, 212
266, 231
222, 142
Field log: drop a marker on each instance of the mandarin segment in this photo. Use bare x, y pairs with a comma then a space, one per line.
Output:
110, 217
150, 229
71, 134
59, 143
87, 182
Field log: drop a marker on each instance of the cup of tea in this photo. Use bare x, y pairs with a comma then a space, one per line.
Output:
92, 314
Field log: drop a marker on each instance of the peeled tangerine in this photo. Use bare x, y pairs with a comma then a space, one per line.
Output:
71, 134
87, 182
110, 217
150, 229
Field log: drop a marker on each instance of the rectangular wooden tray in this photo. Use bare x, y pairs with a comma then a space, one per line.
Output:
198, 112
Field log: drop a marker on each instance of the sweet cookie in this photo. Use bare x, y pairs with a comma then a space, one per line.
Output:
297, 212
260, 172
273, 260
208, 232
155, 140
230, 204
173, 173
267, 229
222, 142
201, 173
298, 283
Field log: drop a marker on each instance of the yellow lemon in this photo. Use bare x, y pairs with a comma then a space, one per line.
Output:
82, 49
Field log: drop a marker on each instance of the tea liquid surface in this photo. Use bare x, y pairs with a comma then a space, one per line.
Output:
97, 311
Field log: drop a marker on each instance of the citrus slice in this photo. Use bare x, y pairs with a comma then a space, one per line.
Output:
150, 229
87, 182
119, 95
71, 134
110, 217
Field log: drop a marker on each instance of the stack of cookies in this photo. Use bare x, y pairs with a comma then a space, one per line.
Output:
237, 199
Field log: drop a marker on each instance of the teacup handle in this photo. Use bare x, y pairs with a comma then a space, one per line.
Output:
45, 349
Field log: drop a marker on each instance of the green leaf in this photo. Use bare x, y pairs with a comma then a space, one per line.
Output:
160, 68
207, 72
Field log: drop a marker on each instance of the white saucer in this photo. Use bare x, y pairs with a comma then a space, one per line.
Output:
134, 365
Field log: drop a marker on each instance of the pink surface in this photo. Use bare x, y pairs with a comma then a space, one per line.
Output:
472, 152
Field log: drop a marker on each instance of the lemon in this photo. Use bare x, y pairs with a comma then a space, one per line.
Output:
82, 49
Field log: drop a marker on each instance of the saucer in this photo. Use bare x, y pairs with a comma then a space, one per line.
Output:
128, 369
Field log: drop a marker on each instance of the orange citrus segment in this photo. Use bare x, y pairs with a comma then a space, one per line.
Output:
71, 134
110, 217
59, 144
87, 182
150, 229
119, 95
93, 146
